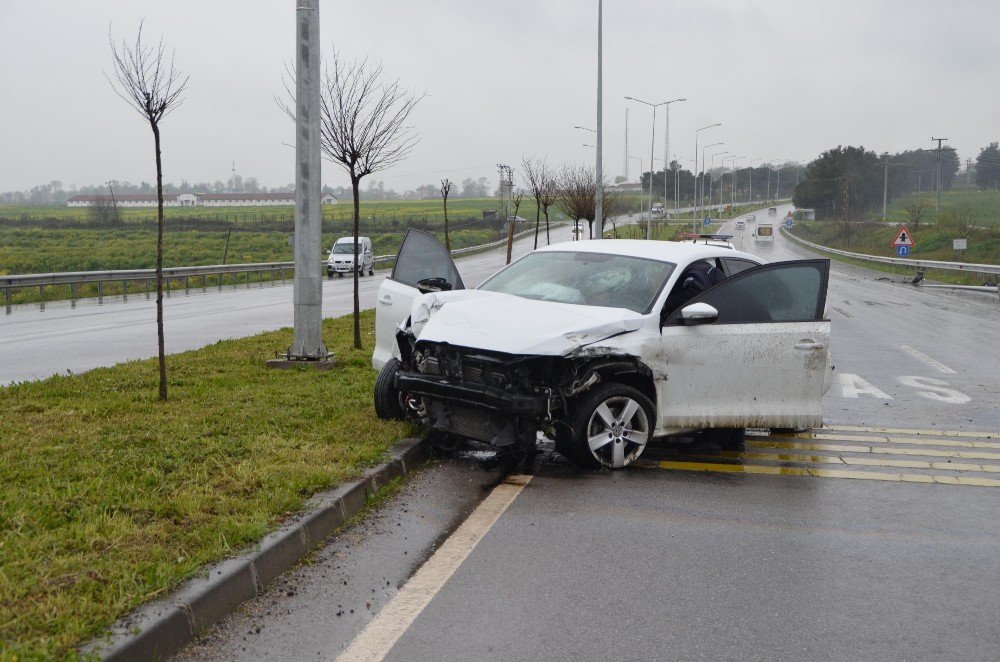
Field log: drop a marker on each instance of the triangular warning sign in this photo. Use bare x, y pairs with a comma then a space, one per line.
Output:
903, 238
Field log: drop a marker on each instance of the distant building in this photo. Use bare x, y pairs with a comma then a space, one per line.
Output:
197, 200
627, 187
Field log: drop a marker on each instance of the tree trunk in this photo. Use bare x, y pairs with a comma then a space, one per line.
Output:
538, 219
159, 264
510, 240
355, 188
548, 239
447, 239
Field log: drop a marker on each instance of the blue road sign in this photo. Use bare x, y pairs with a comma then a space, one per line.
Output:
706, 222
788, 223
902, 251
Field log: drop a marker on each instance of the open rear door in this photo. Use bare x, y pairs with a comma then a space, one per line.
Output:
421, 258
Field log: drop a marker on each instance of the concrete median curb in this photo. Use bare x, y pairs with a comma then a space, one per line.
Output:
162, 628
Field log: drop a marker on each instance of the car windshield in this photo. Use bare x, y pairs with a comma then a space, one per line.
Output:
587, 279
345, 248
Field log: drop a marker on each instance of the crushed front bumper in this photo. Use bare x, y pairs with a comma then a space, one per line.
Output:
476, 396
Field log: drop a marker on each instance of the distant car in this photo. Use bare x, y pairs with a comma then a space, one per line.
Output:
741, 225
340, 261
772, 211
602, 346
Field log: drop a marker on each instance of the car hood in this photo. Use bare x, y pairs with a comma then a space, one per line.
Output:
515, 325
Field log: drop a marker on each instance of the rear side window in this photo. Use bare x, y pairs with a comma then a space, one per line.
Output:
422, 256
735, 265
779, 292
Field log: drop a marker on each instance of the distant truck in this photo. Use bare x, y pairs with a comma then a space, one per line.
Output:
772, 211
764, 234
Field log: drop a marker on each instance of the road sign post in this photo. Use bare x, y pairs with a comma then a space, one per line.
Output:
959, 245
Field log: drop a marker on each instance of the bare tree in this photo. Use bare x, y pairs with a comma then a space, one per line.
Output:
518, 197
577, 196
445, 192
103, 212
535, 175
550, 194
145, 78
364, 118
916, 207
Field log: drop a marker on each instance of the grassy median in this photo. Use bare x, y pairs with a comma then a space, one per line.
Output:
109, 498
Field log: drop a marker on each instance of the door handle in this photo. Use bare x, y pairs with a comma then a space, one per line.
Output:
385, 298
808, 344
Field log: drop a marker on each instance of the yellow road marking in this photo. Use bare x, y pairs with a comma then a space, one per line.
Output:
828, 473
943, 433
382, 632
950, 443
879, 450
865, 461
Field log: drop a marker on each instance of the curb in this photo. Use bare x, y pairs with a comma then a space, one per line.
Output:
162, 628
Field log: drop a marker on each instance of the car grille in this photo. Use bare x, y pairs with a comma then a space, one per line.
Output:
471, 423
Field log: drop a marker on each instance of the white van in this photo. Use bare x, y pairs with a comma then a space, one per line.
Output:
340, 261
764, 234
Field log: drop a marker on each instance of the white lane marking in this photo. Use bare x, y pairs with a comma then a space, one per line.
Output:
935, 389
382, 632
851, 386
920, 356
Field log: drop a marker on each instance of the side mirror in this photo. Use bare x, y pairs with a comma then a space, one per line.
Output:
699, 313
433, 285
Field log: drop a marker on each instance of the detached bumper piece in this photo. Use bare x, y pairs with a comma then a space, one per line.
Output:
491, 398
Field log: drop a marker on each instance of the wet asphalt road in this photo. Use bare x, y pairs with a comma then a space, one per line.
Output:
853, 543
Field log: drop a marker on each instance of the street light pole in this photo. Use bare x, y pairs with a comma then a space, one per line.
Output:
750, 196
701, 204
695, 201
599, 196
652, 145
666, 152
640, 170
711, 181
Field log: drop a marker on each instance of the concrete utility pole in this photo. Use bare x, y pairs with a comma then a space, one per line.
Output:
937, 177
307, 343
599, 198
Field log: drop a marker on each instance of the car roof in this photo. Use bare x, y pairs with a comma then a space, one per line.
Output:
678, 252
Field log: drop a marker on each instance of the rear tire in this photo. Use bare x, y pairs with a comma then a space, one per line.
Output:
388, 401
609, 426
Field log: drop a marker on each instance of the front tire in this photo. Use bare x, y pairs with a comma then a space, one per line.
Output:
609, 427
388, 401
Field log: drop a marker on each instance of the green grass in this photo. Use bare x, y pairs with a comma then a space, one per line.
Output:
980, 208
934, 242
109, 498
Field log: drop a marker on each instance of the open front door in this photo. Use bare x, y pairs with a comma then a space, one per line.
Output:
765, 361
422, 262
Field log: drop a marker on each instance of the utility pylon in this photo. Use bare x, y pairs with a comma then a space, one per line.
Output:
937, 177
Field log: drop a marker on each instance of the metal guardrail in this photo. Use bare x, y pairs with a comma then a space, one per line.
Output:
148, 276
919, 265
899, 261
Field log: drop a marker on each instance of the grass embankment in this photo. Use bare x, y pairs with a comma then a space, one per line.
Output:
108, 497
934, 242
970, 206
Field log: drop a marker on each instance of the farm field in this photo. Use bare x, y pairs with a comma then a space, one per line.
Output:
971, 206
390, 213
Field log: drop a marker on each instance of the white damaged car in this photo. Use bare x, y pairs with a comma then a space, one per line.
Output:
603, 345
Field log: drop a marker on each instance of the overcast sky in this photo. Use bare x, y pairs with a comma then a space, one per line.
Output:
787, 78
